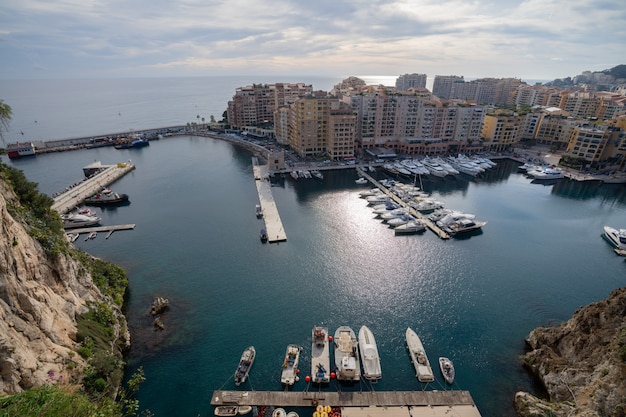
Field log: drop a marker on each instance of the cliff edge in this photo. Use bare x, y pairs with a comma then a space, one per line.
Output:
581, 364
42, 298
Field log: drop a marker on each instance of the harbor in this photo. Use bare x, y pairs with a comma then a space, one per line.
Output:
275, 232
101, 177
383, 403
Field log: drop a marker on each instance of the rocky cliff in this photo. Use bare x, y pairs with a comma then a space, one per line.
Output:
581, 364
41, 298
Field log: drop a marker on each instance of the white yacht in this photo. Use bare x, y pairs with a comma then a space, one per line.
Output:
413, 226
75, 220
289, 375
320, 356
617, 237
347, 355
369, 355
424, 372
399, 221
549, 173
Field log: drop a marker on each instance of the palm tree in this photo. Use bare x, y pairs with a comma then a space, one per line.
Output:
5, 117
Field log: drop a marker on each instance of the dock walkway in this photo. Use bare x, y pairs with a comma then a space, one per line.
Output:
76, 195
432, 403
432, 226
109, 229
273, 224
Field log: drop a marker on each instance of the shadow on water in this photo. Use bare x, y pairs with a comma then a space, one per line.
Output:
587, 190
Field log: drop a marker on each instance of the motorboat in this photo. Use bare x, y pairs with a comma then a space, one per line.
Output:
369, 193
361, 181
424, 372
106, 197
377, 199
347, 355
399, 221
289, 374
427, 205
392, 214
369, 355
245, 363
259, 211
226, 410
413, 226
320, 356
463, 226
546, 173
294, 175
617, 237
263, 235
447, 369
75, 220
317, 174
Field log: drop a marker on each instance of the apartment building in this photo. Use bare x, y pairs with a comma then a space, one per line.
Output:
591, 142
502, 131
408, 81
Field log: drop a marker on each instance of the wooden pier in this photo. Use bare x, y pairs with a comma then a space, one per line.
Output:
75, 196
431, 225
96, 229
273, 224
370, 403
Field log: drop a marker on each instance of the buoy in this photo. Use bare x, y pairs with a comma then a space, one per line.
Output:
324, 414
307, 378
330, 338
316, 414
327, 408
332, 375
297, 371
320, 408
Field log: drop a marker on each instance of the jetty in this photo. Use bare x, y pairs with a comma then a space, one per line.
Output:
109, 229
368, 403
103, 176
431, 225
273, 224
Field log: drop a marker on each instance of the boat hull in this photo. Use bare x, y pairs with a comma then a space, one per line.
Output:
369, 355
423, 370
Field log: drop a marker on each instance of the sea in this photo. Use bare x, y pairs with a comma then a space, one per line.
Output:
540, 257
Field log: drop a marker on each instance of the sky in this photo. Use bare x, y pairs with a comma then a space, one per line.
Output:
536, 40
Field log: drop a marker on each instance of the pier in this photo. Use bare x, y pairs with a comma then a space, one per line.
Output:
273, 224
384, 403
431, 225
110, 229
75, 196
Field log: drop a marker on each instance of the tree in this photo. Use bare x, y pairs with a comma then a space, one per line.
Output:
5, 117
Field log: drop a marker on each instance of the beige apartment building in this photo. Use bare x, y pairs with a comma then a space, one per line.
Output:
502, 131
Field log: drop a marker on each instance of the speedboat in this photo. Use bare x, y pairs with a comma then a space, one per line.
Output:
447, 369
106, 197
463, 226
548, 173
424, 372
616, 237
347, 355
361, 181
289, 375
320, 356
226, 410
245, 363
399, 221
74, 220
413, 226
369, 355
263, 235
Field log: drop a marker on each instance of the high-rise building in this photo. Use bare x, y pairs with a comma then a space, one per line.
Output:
407, 81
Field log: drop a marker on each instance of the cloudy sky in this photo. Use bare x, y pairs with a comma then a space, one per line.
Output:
533, 39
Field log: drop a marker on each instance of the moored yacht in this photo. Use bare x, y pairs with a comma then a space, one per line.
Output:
346, 355
617, 237
289, 375
369, 355
245, 363
320, 356
424, 372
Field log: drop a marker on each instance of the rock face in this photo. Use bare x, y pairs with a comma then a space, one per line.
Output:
40, 300
582, 363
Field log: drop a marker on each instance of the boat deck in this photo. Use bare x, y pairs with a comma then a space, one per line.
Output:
396, 403
431, 225
273, 224
74, 196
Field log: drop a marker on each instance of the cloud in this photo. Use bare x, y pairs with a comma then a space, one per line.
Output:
99, 38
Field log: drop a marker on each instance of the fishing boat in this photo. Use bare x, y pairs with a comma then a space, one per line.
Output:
289, 374
106, 197
320, 355
369, 355
245, 363
447, 369
347, 355
420, 361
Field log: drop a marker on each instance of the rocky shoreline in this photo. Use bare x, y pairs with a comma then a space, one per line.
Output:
581, 364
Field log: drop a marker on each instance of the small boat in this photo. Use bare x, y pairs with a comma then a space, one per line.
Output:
361, 180
289, 374
279, 412
263, 235
226, 410
447, 369
347, 355
424, 372
320, 355
294, 175
317, 174
245, 363
91, 236
259, 211
369, 355
244, 409
106, 197
617, 237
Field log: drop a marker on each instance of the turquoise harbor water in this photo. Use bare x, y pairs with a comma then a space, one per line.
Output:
540, 257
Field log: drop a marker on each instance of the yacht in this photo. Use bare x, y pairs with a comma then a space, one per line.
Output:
464, 225
412, 226
106, 197
399, 221
447, 369
320, 356
245, 363
346, 355
617, 237
361, 181
75, 220
424, 372
289, 375
549, 173
369, 355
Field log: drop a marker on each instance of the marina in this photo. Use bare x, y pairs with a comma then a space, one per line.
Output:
274, 230
391, 403
102, 177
